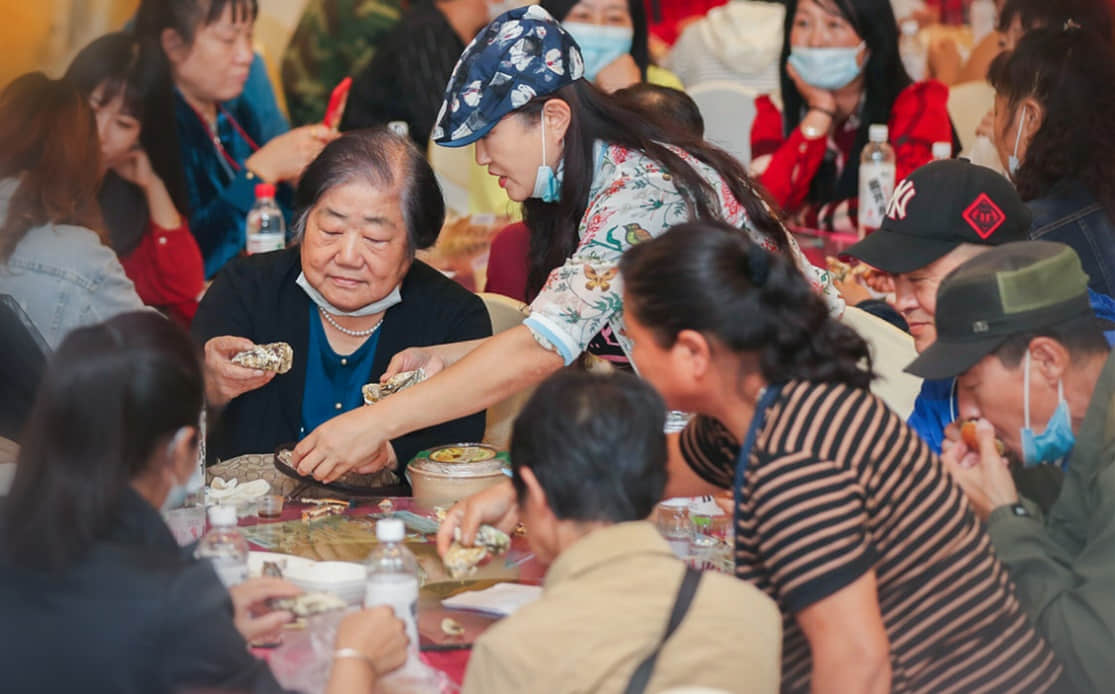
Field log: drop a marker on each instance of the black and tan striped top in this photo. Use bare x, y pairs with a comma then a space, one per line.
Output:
838, 485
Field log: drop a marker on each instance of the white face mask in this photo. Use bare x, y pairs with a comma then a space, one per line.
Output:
1012, 161
392, 298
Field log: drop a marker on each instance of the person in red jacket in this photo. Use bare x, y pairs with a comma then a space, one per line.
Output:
841, 72
143, 195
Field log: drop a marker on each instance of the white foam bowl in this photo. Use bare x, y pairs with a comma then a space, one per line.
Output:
344, 579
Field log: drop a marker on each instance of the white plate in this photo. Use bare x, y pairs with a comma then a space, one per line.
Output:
344, 579
286, 562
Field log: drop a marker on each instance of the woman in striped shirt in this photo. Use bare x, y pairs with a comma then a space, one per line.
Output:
886, 580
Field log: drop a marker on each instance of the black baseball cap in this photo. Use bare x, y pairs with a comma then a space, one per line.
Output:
1011, 290
938, 207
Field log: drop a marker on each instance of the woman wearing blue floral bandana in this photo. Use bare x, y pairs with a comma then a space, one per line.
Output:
594, 179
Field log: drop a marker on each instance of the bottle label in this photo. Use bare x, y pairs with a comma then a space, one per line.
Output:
401, 594
265, 243
876, 184
231, 573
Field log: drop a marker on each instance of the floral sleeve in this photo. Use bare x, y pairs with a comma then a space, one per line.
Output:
585, 293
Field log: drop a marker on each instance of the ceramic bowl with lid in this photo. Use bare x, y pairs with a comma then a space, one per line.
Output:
444, 475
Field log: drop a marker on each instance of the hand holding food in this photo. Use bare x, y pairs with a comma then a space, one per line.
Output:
981, 471
254, 604
226, 379
496, 506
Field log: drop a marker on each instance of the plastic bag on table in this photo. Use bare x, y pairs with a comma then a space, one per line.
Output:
302, 663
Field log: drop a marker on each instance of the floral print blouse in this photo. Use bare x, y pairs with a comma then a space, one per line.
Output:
631, 200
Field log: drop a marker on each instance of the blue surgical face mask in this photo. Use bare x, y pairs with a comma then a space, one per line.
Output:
178, 493
547, 184
600, 45
1012, 161
827, 68
1057, 441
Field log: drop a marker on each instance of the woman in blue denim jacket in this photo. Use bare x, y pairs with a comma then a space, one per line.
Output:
53, 257
1054, 109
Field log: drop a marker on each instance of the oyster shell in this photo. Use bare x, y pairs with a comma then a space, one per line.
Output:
271, 568
492, 539
451, 627
309, 604
374, 392
462, 561
276, 356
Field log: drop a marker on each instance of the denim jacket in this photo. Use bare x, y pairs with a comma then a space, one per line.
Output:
1071, 215
63, 277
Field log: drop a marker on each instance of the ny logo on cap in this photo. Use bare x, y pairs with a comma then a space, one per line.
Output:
984, 216
903, 194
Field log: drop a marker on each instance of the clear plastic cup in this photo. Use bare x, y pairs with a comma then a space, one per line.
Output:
671, 517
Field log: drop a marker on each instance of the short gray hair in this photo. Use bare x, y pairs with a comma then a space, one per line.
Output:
384, 160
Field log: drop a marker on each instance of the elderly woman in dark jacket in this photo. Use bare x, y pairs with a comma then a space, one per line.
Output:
347, 298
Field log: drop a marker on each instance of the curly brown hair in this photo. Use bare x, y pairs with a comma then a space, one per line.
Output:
1070, 72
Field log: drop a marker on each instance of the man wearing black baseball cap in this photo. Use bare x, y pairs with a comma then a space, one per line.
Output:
1016, 327
940, 215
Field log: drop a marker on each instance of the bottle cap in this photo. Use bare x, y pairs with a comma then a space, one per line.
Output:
878, 132
265, 190
223, 516
390, 530
942, 150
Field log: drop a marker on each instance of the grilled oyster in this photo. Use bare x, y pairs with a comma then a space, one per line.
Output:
309, 604
374, 392
276, 356
462, 561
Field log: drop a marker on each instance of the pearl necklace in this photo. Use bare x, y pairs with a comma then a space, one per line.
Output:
353, 333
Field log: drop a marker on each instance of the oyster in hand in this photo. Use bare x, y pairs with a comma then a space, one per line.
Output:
462, 561
276, 356
374, 392
309, 604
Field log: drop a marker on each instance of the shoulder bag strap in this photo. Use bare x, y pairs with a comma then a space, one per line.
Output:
689, 583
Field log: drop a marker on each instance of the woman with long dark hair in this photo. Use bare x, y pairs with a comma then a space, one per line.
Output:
229, 143
842, 513
89, 568
54, 257
595, 178
143, 195
841, 73
885, 579
1052, 126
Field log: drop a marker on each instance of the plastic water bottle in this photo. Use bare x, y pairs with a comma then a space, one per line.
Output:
265, 229
915, 57
876, 179
225, 546
942, 151
982, 18
393, 577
